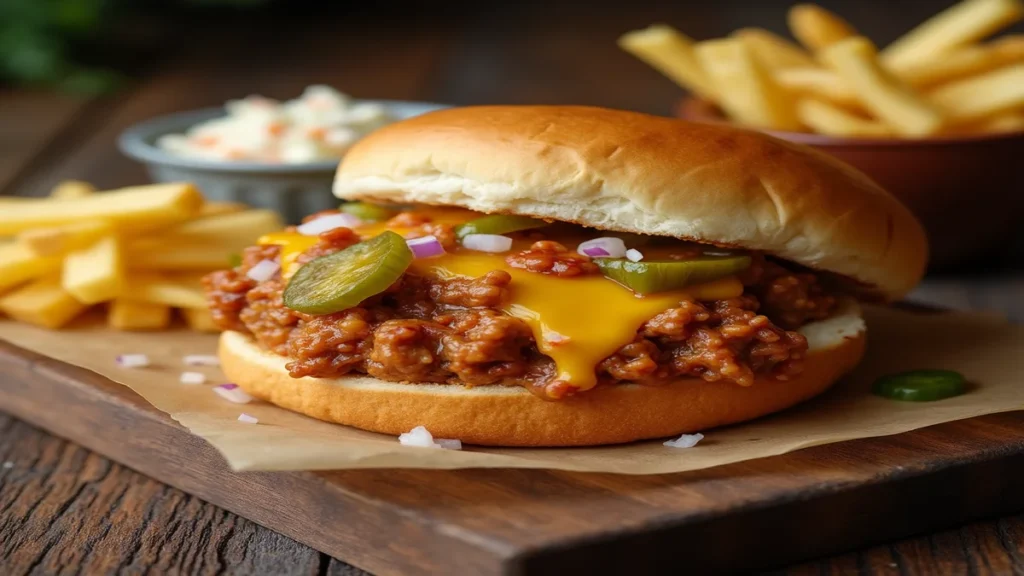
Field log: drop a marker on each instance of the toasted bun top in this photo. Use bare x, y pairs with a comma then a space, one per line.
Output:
631, 172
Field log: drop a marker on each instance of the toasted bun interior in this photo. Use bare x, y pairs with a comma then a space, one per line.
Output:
512, 416
619, 170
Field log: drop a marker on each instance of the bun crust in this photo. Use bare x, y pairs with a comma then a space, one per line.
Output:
631, 172
512, 416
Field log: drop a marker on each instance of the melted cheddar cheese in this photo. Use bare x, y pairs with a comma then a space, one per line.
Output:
577, 322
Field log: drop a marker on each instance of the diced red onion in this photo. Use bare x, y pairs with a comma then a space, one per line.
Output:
132, 360
685, 441
326, 223
634, 255
420, 437
263, 271
487, 242
606, 247
192, 378
247, 419
425, 247
201, 360
232, 393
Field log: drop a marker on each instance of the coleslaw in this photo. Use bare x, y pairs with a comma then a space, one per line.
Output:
321, 124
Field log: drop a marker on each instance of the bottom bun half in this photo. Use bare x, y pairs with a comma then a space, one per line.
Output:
512, 416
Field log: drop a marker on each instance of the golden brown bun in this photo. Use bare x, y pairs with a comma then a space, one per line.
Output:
631, 172
512, 416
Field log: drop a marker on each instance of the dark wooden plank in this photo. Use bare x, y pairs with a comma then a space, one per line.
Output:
66, 510
32, 122
502, 521
993, 547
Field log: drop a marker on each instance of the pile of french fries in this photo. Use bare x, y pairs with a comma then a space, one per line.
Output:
138, 252
941, 78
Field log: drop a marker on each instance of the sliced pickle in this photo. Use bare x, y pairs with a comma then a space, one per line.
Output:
652, 276
367, 212
498, 224
342, 280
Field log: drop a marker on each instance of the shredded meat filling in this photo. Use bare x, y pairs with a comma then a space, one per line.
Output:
452, 331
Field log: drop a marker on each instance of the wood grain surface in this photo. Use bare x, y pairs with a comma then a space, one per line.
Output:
65, 510
753, 514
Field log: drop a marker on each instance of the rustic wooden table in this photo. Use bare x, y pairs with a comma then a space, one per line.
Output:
66, 510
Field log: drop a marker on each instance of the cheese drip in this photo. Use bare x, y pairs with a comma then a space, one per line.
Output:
577, 322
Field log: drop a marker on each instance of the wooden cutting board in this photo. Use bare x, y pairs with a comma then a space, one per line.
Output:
752, 515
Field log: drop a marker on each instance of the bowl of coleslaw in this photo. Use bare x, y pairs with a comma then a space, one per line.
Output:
263, 152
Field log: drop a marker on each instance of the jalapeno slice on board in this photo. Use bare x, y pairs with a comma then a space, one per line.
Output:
921, 385
367, 212
497, 224
342, 280
652, 276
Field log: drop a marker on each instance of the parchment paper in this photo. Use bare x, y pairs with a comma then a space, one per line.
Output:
984, 348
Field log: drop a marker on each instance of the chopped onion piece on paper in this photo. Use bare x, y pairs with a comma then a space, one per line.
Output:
606, 247
247, 419
685, 441
232, 393
201, 360
192, 378
420, 437
133, 360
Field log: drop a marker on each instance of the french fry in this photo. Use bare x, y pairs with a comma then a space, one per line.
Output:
817, 28
821, 83
882, 94
55, 240
43, 303
236, 229
1008, 49
954, 64
130, 209
179, 292
128, 315
199, 319
668, 51
825, 118
18, 264
1004, 123
774, 51
218, 208
151, 254
69, 189
981, 96
961, 24
746, 90
94, 274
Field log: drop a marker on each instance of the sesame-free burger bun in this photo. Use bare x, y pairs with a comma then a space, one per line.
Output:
512, 416
631, 172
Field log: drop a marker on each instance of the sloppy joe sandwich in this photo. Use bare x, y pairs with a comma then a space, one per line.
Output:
565, 276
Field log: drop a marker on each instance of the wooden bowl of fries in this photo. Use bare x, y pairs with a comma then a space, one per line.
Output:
965, 189
936, 117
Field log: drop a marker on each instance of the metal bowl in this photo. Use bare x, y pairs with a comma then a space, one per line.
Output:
293, 190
